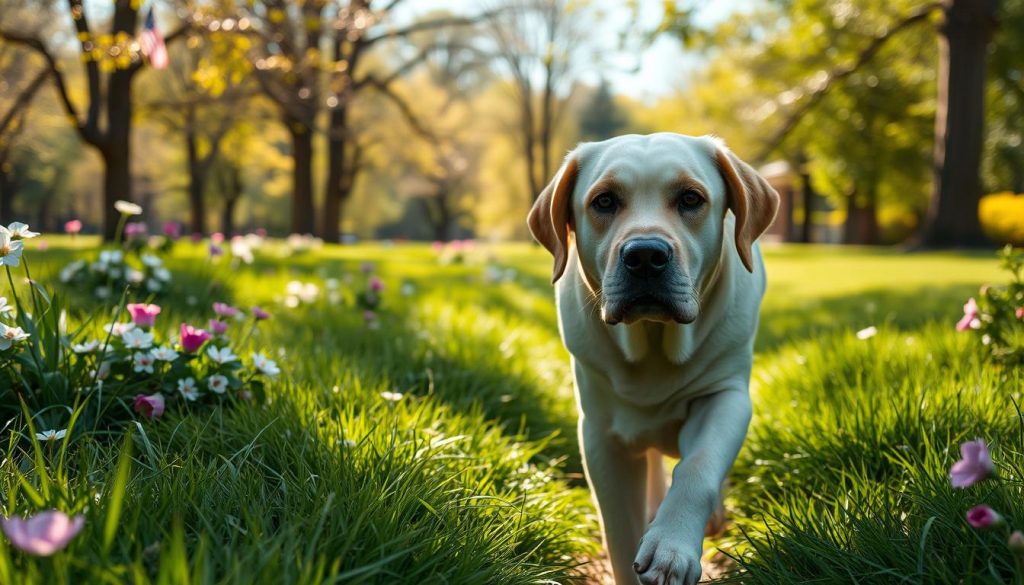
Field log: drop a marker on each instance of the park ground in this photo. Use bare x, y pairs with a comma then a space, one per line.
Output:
440, 446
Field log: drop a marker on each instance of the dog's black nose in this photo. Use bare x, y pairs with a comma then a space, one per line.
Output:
646, 257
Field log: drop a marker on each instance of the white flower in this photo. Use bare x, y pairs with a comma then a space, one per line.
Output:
151, 261
221, 356
306, 292
153, 286
102, 373
265, 365
137, 339
867, 333
20, 231
118, 329
111, 256
144, 362
127, 207
5, 309
217, 384
87, 347
135, 276
164, 354
10, 249
408, 289
52, 435
102, 292
10, 335
69, 271
391, 396
187, 388
162, 273
240, 249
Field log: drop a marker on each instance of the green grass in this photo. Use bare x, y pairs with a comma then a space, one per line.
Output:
474, 476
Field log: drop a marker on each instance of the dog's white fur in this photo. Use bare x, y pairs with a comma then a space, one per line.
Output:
671, 382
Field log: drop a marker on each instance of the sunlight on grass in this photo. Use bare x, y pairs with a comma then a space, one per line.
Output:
441, 446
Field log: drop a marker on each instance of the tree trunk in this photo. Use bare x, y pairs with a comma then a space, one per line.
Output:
807, 192
335, 192
196, 186
116, 145
302, 177
232, 190
117, 184
861, 226
952, 218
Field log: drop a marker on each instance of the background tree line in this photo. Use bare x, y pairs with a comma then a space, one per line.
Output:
369, 118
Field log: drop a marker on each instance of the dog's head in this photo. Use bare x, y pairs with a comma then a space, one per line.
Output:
646, 214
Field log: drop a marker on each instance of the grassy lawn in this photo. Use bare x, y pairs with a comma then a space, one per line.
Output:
472, 475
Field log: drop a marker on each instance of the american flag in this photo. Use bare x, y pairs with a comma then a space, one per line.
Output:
152, 43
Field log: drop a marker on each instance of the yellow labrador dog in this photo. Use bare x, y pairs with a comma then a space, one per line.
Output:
658, 289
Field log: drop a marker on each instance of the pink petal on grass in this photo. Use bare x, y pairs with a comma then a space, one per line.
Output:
970, 318
982, 517
43, 534
151, 406
974, 466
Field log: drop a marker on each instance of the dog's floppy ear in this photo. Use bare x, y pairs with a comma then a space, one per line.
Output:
751, 199
549, 218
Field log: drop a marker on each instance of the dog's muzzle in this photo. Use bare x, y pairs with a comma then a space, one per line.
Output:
647, 286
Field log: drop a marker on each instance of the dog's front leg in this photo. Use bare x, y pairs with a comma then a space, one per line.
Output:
617, 480
709, 441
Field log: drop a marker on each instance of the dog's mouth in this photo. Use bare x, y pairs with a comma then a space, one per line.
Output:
649, 306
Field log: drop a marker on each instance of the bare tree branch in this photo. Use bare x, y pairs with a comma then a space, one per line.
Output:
838, 74
58, 79
425, 25
23, 99
403, 107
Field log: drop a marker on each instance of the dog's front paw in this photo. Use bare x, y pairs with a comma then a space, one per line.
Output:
667, 558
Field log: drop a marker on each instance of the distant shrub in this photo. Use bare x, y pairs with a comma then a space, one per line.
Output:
998, 313
1002, 217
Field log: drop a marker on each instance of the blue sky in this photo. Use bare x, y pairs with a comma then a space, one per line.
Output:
661, 68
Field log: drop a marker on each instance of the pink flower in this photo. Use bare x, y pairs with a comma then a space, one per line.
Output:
218, 327
1020, 313
216, 237
375, 284
134, 228
43, 534
261, 232
970, 319
72, 227
260, 314
224, 310
438, 246
151, 406
196, 237
192, 339
143, 315
172, 229
983, 517
975, 465
1016, 542
367, 267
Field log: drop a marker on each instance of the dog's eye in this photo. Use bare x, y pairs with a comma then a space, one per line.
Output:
605, 203
690, 200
